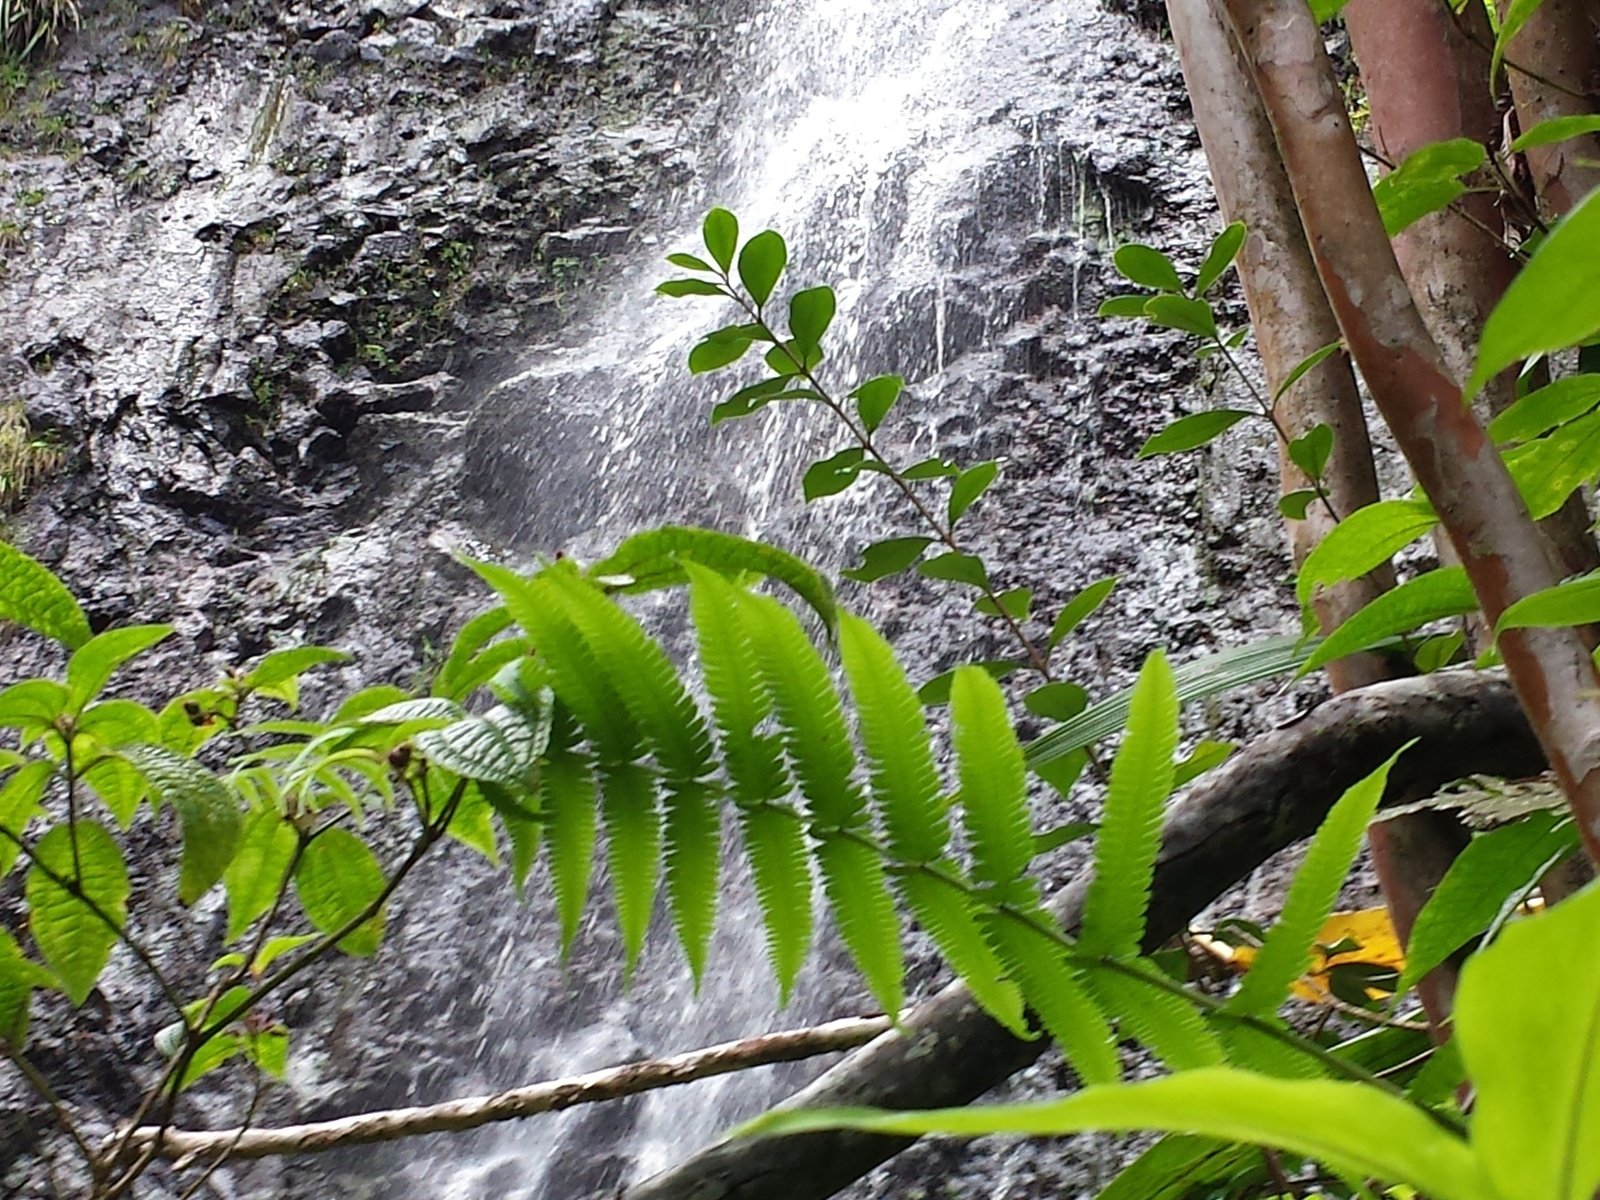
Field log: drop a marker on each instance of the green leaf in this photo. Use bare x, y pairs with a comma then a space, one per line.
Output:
1326, 10
277, 674
1545, 408
1224, 249
1288, 950
749, 400
1304, 367
776, 844
1429, 179
93, 662
853, 878
259, 871
1182, 313
33, 703
1192, 432
1575, 602
760, 263
1178, 1166
904, 781
19, 804
19, 976
1059, 701
1130, 829
567, 795
969, 485
690, 263
678, 288
1553, 302
993, 783
1355, 1129
1294, 505
714, 355
473, 749
1057, 993
1512, 18
208, 814
956, 567
1556, 129
633, 850
1147, 267
1080, 608
658, 558
1528, 1018
834, 474
810, 314
1550, 469
931, 468
1495, 867
1206, 756
1362, 541
337, 879
721, 234
953, 921
456, 678
1311, 450
937, 690
876, 397
1131, 306
693, 857
34, 598
1168, 1025
1445, 592
882, 559
1013, 602
74, 937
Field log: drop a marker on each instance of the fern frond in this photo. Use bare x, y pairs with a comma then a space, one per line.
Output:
1130, 830
894, 736
1287, 951
994, 786
1056, 992
1168, 1025
739, 702
1257, 1050
776, 844
814, 731
694, 854
567, 798
633, 849
575, 676
640, 672
853, 877
953, 922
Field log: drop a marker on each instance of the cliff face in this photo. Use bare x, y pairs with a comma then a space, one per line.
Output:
268, 279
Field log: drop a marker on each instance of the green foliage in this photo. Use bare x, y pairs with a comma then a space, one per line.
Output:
1426, 182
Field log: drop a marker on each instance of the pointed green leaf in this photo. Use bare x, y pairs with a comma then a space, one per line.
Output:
970, 485
1147, 267
833, 474
208, 814
1130, 830
1553, 302
760, 263
1365, 539
1304, 367
19, 804
1556, 129
93, 662
679, 288
1311, 450
1183, 314
951, 919
689, 262
876, 397
714, 355
1528, 1019
1057, 993
1168, 1025
1060, 701
931, 468
853, 878
994, 785
1443, 592
1428, 180
810, 313
258, 872
567, 794
32, 596
338, 879
1224, 249
1288, 950
633, 850
956, 567
19, 976
1549, 469
1080, 608
74, 935
721, 234
882, 559
1193, 431
1545, 408
1013, 602
1575, 602
1130, 306
776, 845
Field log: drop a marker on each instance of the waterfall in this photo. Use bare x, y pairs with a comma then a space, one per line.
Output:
955, 169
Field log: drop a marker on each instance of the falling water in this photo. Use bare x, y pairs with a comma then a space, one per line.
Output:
952, 167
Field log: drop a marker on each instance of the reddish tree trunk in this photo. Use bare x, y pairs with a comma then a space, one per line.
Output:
1451, 457
1560, 45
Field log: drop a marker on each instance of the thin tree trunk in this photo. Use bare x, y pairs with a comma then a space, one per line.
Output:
1450, 455
1270, 795
1561, 46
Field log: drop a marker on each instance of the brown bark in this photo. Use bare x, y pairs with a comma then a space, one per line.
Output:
1288, 311
1268, 796
1448, 451
1561, 47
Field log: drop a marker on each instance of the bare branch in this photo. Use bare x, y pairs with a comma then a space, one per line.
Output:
455, 1115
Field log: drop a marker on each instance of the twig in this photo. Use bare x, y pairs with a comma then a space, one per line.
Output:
551, 1096
227, 1151
41, 1085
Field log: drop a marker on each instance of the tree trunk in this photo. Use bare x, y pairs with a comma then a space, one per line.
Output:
1268, 796
1561, 46
1450, 455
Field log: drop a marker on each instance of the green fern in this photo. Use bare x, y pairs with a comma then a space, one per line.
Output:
1130, 830
780, 863
567, 797
854, 878
633, 849
1287, 952
994, 786
1056, 992
954, 921
1167, 1024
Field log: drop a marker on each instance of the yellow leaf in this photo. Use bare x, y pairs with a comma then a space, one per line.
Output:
1375, 945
